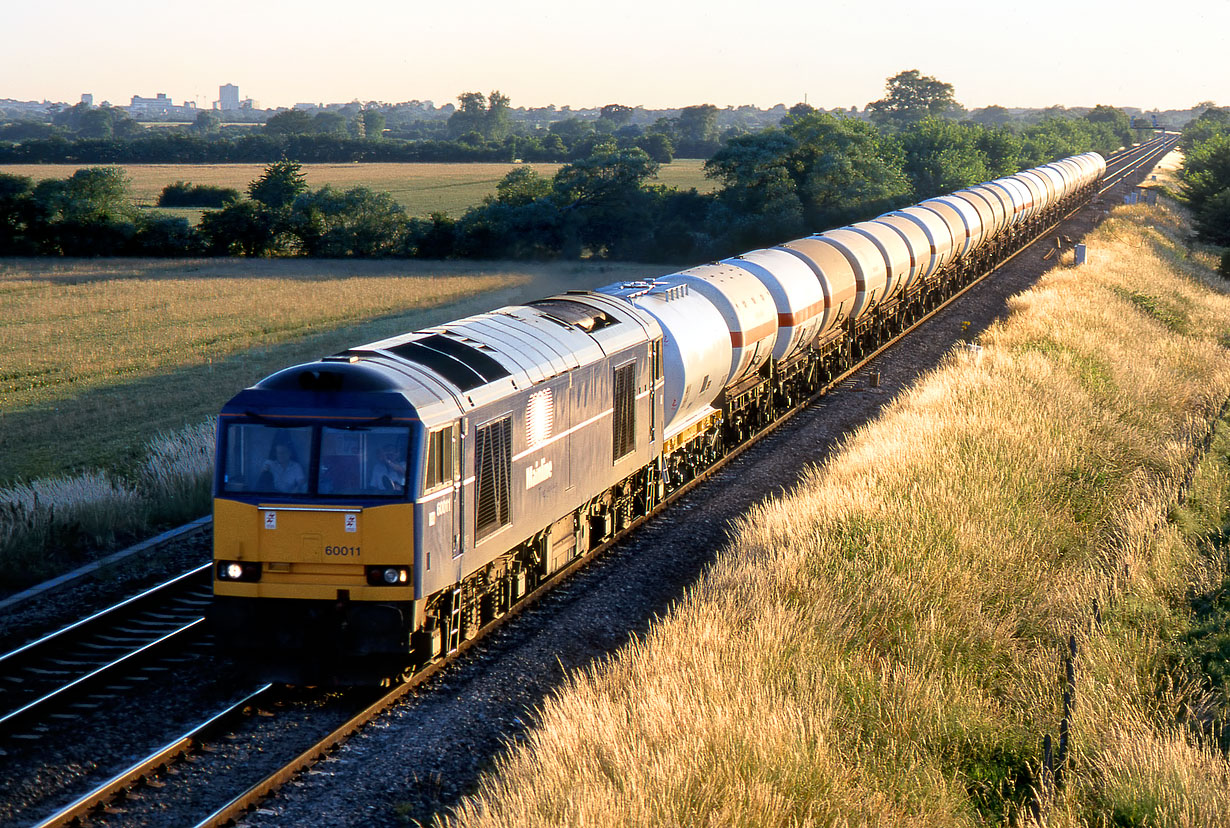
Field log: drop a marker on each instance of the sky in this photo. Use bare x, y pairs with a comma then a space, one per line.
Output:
654, 53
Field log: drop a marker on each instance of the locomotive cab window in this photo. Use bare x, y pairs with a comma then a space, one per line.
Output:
363, 461
267, 459
441, 460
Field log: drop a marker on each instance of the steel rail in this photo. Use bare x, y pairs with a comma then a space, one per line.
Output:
145, 768
9, 719
73, 640
78, 626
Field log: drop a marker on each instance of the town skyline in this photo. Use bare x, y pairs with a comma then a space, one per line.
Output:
658, 56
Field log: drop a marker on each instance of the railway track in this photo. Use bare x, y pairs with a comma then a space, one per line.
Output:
87, 664
229, 720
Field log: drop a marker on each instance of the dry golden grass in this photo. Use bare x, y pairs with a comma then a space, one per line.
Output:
881, 646
421, 189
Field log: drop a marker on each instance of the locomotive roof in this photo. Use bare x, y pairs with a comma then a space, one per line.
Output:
450, 369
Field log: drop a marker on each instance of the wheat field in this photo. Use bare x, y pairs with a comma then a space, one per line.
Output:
881, 646
421, 189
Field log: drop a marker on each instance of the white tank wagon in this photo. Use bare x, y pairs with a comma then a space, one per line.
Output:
750, 314
939, 240
898, 257
797, 295
992, 204
747, 308
1037, 193
964, 223
1018, 196
918, 243
837, 281
1056, 186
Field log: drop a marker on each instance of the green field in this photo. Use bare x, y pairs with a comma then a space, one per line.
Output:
421, 189
98, 356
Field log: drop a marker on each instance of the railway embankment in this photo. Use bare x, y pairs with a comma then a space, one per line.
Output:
886, 643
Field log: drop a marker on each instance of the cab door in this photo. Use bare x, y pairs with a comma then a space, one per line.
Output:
455, 447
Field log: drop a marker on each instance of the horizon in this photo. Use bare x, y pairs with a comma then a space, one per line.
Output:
649, 55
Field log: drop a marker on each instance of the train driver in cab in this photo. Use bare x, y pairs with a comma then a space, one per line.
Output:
389, 471
282, 471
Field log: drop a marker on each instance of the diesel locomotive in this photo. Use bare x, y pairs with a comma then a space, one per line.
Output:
375, 508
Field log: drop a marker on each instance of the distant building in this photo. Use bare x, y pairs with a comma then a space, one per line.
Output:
87, 99
158, 105
228, 97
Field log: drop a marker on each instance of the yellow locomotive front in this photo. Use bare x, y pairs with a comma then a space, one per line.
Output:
314, 535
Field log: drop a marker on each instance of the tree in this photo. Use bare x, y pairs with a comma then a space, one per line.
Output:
290, 122
1212, 121
279, 185
373, 123
696, 131
991, 116
87, 214
483, 115
1213, 223
613, 116
208, 122
1113, 117
911, 97
799, 110
602, 197
818, 171
329, 123
355, 222
240, 229
496, 124
658, 146
942, 156
521, 186
16, 215
469, 116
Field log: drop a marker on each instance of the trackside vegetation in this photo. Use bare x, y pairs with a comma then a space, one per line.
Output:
814, 170
883, 645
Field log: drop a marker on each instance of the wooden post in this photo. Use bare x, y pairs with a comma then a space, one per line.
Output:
1069, 701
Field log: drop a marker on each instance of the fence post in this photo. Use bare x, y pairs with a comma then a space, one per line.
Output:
1069, 700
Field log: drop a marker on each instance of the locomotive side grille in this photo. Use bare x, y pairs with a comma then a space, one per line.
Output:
493, 471
625, 411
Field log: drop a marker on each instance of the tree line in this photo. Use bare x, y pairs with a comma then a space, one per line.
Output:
481, 128
812, 172
1205, 177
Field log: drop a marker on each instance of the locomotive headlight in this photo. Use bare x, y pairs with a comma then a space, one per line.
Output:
249, 571
388, 575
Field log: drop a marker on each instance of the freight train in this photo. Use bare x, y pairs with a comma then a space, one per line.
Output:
375, 508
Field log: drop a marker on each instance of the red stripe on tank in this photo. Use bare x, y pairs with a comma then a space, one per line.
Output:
740, 339
788, 320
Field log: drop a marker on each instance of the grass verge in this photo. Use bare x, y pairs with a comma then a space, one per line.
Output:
883, 645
